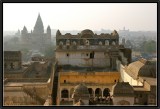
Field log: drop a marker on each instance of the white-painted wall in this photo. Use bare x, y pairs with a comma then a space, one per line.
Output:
127, 78
77, 58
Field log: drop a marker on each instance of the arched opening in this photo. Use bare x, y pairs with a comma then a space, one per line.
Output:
106, 92
87, 42
91, 92
106, 42
100, 43
68, 42
64, 93
113, 43
60, 43
74, 43
98, 92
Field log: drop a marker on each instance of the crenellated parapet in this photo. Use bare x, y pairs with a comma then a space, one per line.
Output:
87, 38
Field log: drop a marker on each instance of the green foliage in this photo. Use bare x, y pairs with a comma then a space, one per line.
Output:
49, 52
148, 46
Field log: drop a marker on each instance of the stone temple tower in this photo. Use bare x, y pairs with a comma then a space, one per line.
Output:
38, 28
37, 39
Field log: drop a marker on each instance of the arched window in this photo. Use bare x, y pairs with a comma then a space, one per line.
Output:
98, 92
100, 43
113, 43
106, 92
68, 42
91, 92
60, 43
106, 42
64, 93
74, 43
87, 42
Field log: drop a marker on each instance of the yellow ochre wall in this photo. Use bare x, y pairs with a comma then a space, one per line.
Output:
89, 77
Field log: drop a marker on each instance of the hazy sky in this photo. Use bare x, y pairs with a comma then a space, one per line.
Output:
72, 16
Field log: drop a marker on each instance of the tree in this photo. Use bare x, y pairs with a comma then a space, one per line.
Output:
148, 46
49, 52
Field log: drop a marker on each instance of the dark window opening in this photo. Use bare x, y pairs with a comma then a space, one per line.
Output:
140, 95
87, 54
98, 92
92, 55
115, 80
12, 66
64, 81
106, 92
64, 93
67, 54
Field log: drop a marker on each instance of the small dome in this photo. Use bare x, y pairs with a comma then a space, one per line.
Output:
87, 31
81, 89
114, 33
123, 89
143, 68
58, 33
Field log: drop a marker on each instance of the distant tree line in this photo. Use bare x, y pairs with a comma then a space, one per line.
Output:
148, 46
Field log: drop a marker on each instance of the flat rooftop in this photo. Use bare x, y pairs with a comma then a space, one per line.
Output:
21, 83
69, 68
140, 89
151, 81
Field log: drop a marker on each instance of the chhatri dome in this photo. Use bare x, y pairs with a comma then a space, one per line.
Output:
87, 32
80, 94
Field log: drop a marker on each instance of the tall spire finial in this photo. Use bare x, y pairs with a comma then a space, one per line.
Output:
39, 14
38, 28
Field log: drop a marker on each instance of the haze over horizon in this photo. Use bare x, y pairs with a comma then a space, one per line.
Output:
80, 16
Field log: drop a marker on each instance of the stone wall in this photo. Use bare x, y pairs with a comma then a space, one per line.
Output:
123, 100
83, 59
89, 77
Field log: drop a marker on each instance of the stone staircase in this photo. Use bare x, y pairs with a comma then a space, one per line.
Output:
55, 88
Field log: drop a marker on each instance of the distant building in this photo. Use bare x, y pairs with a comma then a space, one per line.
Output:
26, 85
12, 60
87, 49
13, 64
36, 39
124, 32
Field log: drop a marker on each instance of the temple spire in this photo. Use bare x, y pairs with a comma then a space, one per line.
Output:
38, 28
